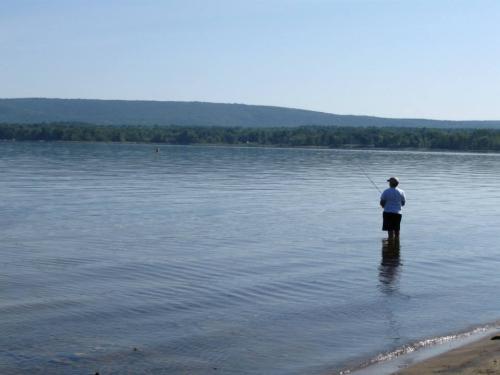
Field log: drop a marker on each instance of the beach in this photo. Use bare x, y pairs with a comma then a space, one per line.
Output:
479, 357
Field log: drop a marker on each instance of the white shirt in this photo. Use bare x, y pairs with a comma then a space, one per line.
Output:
394, 199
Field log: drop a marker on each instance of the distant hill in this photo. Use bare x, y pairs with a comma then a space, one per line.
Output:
127, 112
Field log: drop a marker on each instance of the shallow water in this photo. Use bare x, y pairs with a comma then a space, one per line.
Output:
200, 260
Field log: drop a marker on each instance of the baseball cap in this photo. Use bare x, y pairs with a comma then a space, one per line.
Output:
393, 179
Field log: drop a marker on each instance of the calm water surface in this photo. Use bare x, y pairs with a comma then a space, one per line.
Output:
201, 260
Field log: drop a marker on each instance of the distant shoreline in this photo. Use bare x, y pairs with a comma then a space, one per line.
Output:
346, 138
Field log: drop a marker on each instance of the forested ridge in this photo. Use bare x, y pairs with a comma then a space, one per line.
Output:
310, 136
165, 113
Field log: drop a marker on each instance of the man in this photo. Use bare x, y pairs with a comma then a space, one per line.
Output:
391, 200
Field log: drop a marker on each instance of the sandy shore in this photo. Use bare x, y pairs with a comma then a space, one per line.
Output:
480, 357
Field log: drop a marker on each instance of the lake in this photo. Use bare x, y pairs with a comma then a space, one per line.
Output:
216, 260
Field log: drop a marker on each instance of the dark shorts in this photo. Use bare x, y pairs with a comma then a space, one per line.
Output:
392, 221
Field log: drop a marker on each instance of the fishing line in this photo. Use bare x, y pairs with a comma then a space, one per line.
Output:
368, 177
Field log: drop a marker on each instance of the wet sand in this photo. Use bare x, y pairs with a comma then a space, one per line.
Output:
478, 358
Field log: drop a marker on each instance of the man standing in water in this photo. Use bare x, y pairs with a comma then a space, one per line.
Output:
391, 200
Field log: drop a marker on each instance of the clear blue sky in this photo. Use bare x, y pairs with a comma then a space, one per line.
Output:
425, 59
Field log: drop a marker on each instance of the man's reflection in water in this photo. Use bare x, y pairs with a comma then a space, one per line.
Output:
388, 276
388, 271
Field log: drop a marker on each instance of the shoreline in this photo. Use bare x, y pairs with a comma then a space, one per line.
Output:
479, 357
438, 355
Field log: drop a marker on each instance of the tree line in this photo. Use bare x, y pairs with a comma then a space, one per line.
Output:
307, 136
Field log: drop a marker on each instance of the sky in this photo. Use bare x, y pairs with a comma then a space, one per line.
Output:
410, 58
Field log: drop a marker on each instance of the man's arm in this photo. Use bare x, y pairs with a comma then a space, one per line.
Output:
382, 203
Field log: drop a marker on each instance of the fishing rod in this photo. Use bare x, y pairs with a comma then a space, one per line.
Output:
368, 177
